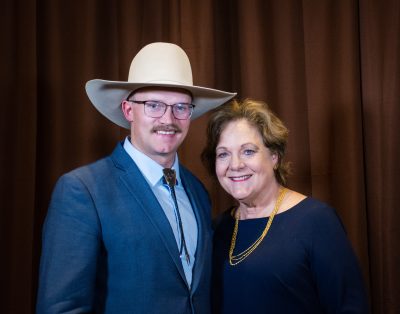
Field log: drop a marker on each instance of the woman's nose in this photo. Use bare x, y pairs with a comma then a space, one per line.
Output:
236, 163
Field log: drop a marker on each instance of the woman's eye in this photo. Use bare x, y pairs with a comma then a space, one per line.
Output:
248, 152
222, 155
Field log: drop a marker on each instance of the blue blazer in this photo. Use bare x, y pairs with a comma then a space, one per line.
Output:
109, 248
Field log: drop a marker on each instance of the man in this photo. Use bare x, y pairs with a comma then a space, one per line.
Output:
122, 235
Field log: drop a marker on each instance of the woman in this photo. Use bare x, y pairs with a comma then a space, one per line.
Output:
277, 251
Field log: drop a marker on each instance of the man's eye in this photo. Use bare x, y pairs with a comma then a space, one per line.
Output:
181, 107
154, 105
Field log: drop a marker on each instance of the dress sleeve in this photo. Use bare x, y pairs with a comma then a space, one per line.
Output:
335, 267
70, 247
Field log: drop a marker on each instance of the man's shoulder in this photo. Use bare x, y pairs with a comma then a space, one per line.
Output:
100, 168
98, 165
92, 172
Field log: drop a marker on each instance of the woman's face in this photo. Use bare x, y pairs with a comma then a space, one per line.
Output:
244, 166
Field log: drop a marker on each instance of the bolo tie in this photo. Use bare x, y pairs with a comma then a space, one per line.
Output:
169, 179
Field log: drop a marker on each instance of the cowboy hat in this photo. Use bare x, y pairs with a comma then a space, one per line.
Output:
157, 64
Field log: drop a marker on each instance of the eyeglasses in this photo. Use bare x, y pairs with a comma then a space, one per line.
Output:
156, 109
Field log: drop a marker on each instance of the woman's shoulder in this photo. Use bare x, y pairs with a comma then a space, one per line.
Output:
316, 213
317, 207
296, 199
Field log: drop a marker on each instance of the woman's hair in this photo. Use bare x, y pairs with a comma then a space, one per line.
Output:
272, 130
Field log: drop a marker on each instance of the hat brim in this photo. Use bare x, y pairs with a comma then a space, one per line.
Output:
107, 97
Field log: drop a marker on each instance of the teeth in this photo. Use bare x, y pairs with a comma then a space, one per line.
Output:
166, 132
240, 178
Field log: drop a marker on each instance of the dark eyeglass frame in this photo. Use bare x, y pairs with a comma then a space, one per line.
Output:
173, 108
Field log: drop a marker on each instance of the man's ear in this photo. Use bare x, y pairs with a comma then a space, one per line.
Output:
127, 109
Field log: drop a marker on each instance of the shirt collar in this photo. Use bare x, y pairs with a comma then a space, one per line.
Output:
151, 170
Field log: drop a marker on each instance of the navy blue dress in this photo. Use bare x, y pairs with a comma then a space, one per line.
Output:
305, 264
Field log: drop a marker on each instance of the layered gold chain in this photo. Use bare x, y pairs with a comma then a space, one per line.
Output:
236, 259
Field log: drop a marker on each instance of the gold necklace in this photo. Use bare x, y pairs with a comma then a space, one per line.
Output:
236, 259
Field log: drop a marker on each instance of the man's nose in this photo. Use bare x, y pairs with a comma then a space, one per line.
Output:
168, 116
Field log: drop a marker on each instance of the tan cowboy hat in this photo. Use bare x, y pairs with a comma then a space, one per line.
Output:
157, 64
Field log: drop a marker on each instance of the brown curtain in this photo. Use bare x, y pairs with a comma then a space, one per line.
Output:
329, 68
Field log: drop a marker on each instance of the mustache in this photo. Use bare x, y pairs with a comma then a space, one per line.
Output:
166, 128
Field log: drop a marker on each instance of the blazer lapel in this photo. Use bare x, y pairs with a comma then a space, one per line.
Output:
201, 218
145, 200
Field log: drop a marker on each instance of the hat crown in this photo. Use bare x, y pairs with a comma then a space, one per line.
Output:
161, 63
155, 65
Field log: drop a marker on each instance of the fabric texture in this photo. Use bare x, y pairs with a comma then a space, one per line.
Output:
108, 247
305, 264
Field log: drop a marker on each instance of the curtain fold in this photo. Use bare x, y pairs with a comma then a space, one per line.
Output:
18, 116
329, 69
380, 73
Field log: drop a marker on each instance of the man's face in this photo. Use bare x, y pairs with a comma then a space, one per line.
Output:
158, 138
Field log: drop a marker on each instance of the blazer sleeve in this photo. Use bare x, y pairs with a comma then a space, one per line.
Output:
70, 248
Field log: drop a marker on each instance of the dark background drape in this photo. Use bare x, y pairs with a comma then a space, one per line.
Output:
329, 68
